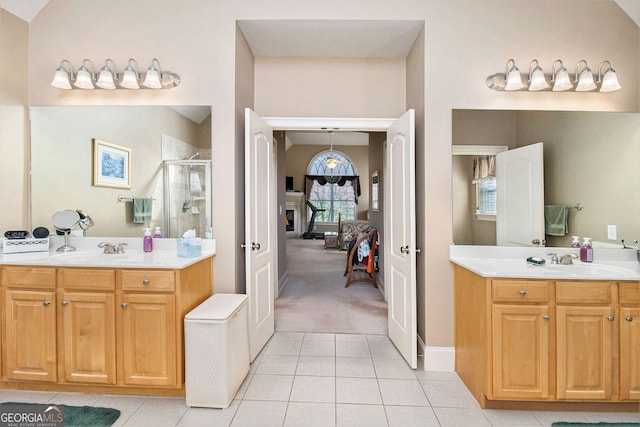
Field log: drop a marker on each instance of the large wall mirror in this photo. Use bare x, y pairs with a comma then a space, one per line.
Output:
63, 164
589, 158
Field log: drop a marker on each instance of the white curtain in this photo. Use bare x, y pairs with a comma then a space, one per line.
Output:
484, 167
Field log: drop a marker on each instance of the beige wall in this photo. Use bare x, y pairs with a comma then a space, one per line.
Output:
197, 39
14, 150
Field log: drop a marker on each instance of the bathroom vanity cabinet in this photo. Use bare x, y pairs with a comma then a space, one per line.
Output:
521, 341
104, 330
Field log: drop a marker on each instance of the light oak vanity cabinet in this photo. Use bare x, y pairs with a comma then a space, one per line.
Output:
98, 329
522, 342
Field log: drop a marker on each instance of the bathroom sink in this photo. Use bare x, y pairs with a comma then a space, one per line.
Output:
90, 258
591, 270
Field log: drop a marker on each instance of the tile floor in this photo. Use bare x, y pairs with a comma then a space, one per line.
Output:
315, 379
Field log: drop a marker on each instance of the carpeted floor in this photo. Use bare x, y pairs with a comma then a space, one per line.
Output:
315, 299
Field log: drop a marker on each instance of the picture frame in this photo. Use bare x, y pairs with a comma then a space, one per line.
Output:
111, 165
375, 191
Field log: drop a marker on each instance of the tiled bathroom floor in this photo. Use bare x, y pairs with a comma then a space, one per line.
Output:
314, 379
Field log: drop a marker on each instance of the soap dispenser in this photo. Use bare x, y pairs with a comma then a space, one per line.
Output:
576, 242
147, 240
157, 233
586, 251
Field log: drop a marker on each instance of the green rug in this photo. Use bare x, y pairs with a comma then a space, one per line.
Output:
62, 415
566, 424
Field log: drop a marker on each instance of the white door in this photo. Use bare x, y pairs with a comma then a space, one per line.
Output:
520, 197
260, 229
399, 239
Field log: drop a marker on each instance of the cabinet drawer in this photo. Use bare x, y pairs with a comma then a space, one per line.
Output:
87, 279
28, 277
629, 293
148, 280
519, 291
583, 292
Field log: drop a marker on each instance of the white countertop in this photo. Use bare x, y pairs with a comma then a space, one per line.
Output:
87, 254
494, 261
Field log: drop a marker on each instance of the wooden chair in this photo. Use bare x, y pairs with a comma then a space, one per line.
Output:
358, 272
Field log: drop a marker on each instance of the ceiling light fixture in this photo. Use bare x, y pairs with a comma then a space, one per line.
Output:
332, 162
108, 78
558, 81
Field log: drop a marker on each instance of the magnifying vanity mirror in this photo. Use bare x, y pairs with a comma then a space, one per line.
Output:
588, 158
140, 137
64, 221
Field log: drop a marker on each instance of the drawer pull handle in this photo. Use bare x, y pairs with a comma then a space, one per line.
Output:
523, 293
123, 305
610, 318
46, 303
145, 282
64, 303
628, 318
546, 317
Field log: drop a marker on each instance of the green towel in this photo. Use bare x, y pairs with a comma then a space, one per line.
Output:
556, 220
142, 210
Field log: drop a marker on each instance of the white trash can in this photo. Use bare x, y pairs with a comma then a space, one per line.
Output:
216, 350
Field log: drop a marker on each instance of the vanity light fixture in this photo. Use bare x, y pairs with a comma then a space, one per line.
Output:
537, 79
558, 81
585, 78
608, 81
62, 78
108, 78
85, 77
560, 77
513, 79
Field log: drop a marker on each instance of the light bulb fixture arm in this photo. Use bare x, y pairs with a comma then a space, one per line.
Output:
71, 71
577, 76
609, 68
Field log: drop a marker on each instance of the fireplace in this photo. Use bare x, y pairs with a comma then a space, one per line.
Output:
294, 213
290, 220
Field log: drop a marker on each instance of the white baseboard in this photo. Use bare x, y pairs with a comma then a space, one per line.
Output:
282, 283
437, 358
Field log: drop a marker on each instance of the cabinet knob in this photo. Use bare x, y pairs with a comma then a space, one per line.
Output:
610, 318
546, 317
64, 303
46, 303
123, 305
628, 318
145, 282
523, 293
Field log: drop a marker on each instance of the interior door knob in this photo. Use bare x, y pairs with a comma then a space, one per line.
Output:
255, 246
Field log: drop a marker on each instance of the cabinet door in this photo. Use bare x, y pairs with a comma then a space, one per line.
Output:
89, 336
584, 368
520, 345
629, 353
30, 335
149, 339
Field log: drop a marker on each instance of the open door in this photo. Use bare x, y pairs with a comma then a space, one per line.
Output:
260, 230
399, 240
520, 197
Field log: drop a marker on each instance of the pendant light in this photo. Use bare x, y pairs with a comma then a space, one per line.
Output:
332, 162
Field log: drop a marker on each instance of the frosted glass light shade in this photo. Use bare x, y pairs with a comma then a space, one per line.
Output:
129, 79
586, 81
152, 79
538, 80
514, 80
562, 81
83, 79
61, 79
610, 82
105, 79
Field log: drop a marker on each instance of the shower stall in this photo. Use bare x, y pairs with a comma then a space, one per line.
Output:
187, 197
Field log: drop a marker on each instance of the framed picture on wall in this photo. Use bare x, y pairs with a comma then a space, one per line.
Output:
375, 187
111, 165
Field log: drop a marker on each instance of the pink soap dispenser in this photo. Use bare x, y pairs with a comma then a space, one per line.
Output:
576, 242
586, 251
147, 240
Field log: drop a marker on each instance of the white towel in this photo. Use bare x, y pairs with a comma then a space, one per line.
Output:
195, 181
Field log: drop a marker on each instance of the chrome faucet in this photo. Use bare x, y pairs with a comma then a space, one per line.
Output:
108, 248
563, 260
111, 249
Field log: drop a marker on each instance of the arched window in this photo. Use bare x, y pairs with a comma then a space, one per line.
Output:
332, 197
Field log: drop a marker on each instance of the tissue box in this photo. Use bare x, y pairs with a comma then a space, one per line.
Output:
188, 248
